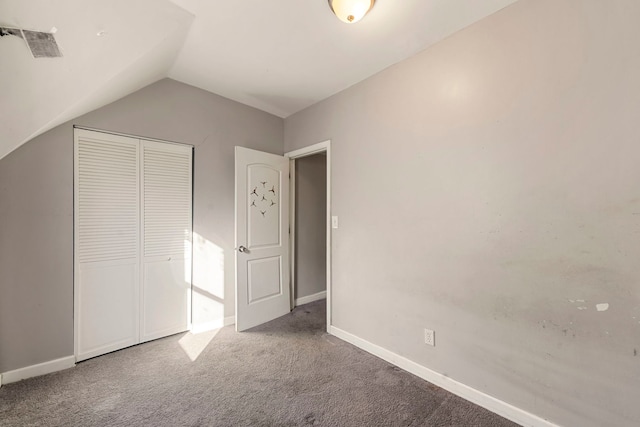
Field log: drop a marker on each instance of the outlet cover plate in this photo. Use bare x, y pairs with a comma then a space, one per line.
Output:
430, 337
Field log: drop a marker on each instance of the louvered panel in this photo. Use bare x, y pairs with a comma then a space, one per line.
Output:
107, 200
132, 239
166, 200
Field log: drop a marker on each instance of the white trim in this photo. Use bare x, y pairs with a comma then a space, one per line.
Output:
215, 324
39, 369
320, 147
311, 298
310, 150
76, 268
292, 232
128, 135
497, 406
329, 290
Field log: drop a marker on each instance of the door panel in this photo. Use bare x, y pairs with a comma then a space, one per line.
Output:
264, 207
166, 290
166, 237
264, 279
106, 200
108, 309
262, 227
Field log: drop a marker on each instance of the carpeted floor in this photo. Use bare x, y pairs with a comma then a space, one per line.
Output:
288, 372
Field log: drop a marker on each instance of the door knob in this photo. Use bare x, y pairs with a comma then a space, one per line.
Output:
242, 249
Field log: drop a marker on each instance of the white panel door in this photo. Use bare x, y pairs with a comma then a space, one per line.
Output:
166, 253
262, 237
106, 200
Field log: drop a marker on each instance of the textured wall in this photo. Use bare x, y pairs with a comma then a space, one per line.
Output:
311, 225
36, 211
488, 188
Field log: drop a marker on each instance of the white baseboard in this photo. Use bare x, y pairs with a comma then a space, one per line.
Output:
311, 298
215, 324
39, 369
494, 405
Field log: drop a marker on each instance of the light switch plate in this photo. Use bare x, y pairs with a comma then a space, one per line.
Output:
334, 221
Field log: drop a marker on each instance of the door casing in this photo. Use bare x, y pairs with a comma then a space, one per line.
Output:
321, 147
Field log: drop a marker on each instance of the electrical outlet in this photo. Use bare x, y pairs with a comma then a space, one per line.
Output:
430, 337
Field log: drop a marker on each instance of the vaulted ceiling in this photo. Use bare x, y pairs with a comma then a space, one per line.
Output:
278, 56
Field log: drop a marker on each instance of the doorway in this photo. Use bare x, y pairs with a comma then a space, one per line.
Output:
311, 225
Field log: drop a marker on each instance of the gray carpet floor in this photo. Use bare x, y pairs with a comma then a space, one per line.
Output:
288, 372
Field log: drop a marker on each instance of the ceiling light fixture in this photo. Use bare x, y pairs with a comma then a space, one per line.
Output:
350, 11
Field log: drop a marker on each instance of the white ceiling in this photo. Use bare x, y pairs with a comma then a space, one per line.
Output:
279, 56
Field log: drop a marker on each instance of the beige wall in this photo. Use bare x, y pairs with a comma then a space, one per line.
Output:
311, 225
36, 211
489, 188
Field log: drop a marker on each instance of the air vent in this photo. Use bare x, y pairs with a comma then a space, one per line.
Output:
10, 32
41, 45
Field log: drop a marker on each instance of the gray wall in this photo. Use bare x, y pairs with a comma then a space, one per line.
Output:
311, 225
489, 188
36, 211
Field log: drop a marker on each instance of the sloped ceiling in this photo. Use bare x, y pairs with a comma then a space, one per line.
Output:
284, 55
137, 45
279, 56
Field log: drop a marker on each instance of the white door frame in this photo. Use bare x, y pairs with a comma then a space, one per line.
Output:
321, 147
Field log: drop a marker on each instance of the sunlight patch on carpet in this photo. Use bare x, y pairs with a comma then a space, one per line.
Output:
194, 344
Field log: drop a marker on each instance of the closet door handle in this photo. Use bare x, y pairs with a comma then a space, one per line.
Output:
243, 249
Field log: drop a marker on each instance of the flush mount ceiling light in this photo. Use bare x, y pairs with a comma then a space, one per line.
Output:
350, 11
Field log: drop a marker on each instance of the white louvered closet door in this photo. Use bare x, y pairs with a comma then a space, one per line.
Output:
166, 237
107, 228
132, 277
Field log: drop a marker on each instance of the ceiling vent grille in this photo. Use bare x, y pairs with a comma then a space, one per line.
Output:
41, 45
